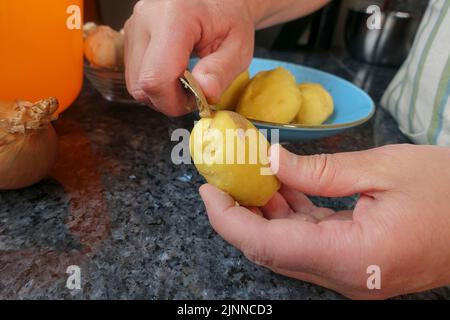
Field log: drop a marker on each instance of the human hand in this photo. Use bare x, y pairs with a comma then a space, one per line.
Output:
401, 221
160, 37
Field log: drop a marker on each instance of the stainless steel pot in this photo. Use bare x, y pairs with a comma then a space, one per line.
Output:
387, 46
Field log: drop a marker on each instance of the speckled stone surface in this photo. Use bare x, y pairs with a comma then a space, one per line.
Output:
117, 207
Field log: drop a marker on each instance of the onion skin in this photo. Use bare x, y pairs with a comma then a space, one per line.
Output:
28, 142
30, 164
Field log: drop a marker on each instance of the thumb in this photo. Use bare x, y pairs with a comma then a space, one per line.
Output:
216, 71
329, 175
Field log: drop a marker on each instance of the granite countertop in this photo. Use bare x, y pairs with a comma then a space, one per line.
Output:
117, 207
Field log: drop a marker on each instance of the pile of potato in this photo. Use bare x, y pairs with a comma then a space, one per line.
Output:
274, 96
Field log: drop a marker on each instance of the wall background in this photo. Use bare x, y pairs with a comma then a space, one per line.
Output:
116, 12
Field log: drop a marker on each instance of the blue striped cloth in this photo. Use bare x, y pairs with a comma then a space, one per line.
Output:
419, 95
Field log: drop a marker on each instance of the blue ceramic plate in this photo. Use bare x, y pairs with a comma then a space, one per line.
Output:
353, 106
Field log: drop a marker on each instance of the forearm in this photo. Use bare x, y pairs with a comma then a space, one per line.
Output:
267, 13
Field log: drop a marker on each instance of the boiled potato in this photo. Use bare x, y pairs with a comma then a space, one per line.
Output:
317, 104
272, 96
217, 158
234, 92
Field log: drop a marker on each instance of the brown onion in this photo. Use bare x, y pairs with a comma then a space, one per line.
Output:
28, 142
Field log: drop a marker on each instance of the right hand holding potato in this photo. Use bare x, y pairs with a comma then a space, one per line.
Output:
160, 37
401, 222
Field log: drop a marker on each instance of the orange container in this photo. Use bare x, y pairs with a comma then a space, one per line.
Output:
41, 50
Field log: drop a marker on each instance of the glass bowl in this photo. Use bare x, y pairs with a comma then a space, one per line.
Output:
109, 83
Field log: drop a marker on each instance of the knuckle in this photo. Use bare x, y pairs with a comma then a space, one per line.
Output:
215, 68
156, 89
127, 25
138, 95
136, 92
139, 7
151, 83
322, 169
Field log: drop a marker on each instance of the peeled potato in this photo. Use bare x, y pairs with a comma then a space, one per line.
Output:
272, 96
217, 158
317, 104
232, 95
104, 47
